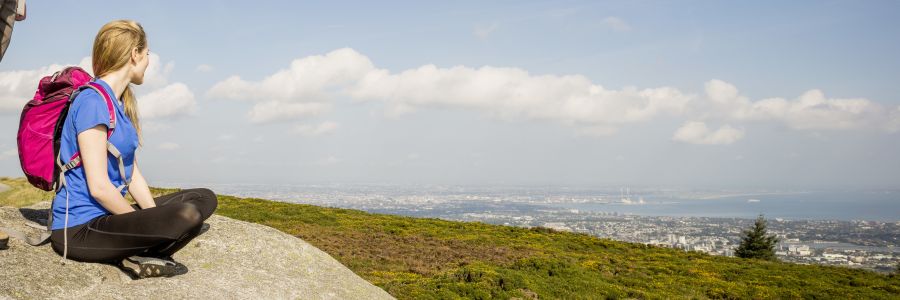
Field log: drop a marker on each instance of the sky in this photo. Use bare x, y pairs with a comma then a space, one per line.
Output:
694, 94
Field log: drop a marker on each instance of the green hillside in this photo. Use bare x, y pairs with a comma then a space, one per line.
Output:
417, 258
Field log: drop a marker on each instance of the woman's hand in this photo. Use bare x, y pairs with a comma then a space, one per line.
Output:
139, 189
92, 143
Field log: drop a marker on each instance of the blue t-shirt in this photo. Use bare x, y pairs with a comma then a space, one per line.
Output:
87, 110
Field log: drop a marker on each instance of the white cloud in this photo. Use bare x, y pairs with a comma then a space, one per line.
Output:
482, 32
157, 73
306, 88
810, 111
159, 99
163, 99
310, 85
174, 100
322, 128
306, 79
694, 132
303, 89
17, 87
169, 146
512, 93
616, 24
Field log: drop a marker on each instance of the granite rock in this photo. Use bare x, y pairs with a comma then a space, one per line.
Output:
234, 259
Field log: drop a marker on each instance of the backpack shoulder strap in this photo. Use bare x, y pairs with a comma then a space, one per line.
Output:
109, 105
75, 160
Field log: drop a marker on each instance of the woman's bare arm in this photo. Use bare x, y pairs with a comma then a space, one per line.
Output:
139, 189
92, 143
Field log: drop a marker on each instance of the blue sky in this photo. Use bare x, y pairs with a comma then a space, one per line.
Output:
694, 93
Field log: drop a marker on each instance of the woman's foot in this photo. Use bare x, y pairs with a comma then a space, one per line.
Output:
145, 267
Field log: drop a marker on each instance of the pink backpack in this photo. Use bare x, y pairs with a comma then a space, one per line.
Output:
40, 128
41, 123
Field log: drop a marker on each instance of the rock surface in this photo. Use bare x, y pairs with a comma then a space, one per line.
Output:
234, 259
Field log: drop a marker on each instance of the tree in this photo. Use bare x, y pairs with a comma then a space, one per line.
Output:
756, 242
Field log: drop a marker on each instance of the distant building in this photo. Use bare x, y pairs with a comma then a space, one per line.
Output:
557, 226
834, 256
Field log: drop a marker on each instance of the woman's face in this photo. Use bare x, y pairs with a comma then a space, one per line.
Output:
142, 59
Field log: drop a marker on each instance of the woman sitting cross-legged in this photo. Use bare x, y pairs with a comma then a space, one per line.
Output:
92, 221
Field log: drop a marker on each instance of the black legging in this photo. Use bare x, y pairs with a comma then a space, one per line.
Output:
158, 231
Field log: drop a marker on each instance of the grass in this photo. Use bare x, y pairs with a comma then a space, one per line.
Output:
21, 193
426, 258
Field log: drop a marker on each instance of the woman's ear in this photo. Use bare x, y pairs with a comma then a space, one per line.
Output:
135, 55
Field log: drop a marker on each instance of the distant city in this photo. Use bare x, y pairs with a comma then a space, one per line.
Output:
692, 220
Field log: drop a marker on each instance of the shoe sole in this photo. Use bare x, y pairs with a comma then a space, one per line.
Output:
148, 268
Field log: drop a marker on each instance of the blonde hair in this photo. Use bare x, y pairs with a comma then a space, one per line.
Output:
112, 51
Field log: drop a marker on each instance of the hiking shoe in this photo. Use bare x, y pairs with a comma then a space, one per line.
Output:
145, 267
